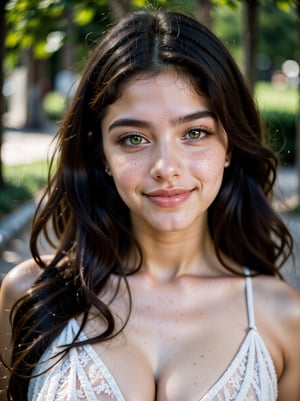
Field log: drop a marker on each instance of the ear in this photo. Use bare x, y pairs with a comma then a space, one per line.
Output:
228, 159
106, 167
108, 171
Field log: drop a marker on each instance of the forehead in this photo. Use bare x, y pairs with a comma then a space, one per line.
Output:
169, 90
164, 79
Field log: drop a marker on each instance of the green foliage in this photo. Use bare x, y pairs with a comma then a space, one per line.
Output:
278, 109
284, 5
271, 97
30, 21
227, 26
280, 131
277, 22
84, 16
277, 26
54, 105
23, 182
295, 210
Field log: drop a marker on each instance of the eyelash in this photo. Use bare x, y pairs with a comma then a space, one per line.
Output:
202, 130
127, 136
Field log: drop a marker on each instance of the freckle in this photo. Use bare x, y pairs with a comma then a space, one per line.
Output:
195, 384
194, 363
202, 356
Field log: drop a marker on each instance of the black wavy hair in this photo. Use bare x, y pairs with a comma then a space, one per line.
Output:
91, 224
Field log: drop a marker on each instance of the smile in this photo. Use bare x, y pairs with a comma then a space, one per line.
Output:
167, 198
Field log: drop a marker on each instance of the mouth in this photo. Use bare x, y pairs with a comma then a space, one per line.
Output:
171, 197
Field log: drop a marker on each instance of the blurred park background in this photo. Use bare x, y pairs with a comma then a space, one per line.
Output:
45, 43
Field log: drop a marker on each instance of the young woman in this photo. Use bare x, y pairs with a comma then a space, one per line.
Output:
165, 283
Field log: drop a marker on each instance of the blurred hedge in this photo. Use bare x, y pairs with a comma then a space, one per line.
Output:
278, 107
54, 105
280, 128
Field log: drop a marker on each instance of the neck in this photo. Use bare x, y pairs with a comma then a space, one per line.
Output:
167, 255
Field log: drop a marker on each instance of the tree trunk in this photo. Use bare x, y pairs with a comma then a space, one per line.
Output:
298, 113
250, 38
35, 117
2, 47
68, 50
204, 11
119, 8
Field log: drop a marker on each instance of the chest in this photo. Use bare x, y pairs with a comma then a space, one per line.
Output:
175, 346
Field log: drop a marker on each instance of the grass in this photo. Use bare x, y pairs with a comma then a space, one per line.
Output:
22, 183
270, 97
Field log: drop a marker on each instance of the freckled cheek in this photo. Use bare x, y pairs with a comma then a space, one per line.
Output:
208, 165
127, 173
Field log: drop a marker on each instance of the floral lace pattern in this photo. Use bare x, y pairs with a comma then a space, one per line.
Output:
251, 376
82, 375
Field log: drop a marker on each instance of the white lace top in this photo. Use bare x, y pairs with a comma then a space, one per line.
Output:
82, 375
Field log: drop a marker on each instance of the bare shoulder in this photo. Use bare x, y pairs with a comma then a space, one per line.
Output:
278, 296
13, 287
277, 309
277, 306
18, 280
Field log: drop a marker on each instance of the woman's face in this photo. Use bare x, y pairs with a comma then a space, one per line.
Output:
166, 152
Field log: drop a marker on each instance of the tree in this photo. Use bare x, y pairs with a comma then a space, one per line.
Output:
2, 47
250, 40
119, 8
204, 12
30, 26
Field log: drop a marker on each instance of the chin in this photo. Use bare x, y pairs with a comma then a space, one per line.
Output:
171, 226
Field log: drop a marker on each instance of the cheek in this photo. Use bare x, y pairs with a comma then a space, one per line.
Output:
209, 164
126, 173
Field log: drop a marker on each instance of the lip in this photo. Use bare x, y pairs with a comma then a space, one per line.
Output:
170, 197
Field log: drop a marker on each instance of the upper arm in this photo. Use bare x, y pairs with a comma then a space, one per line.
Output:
14, 286
289, 382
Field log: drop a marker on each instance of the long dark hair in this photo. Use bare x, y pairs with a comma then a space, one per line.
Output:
90, 224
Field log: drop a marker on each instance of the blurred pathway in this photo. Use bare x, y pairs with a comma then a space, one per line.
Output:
21, 147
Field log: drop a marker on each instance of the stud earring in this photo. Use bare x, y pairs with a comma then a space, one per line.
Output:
107, 170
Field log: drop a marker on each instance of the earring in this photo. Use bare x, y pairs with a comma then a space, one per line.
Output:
107, 170
90, 136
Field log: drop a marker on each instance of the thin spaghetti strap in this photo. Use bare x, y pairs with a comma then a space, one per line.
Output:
249, 299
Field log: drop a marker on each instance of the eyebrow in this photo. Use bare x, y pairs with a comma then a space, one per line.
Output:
125, 122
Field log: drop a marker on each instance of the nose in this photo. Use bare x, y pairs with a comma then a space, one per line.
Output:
167, 163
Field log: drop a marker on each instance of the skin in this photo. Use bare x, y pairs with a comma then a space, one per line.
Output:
189, 314
153, 145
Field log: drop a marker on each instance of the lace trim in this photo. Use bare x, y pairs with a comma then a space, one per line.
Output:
81, 375
251, 376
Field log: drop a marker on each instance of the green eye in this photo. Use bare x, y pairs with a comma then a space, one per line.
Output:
135, 139
197, 134
194, 133
131, 140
